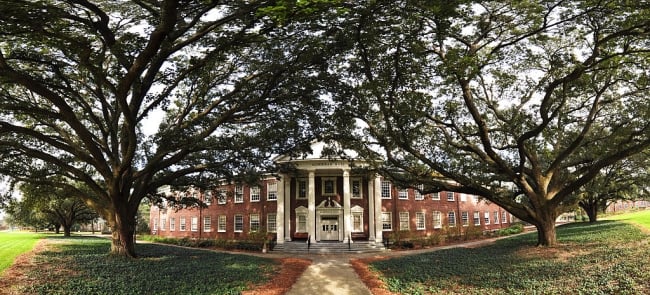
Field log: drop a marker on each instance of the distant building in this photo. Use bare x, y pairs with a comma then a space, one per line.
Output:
323, 199
620, 206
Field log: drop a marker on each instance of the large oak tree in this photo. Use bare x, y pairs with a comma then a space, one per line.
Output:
520, 102
127, 96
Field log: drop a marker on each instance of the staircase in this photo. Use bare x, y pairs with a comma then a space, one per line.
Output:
329, 248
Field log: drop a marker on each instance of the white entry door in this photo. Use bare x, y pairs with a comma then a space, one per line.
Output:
329, 227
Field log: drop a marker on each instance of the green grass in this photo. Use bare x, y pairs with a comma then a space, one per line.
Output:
641, 218
607, 257
81, 266
13, 244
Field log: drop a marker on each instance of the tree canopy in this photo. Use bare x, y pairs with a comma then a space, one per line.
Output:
126, 96
520, 102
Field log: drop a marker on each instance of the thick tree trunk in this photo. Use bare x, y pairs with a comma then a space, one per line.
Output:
592, 213
546, 236
123, 229
66, 230
57, 229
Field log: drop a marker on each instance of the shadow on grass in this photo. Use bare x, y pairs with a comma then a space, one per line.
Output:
590, 259
81, 265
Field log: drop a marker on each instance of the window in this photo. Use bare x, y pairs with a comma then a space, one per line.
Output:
404, 221
450, 196
254, 222
464, 217
195, 224
162, 223
255, 193
437, 219
385, 190
239, 223
356, 188
172, 224
271, 223
221, 224
417, 191
207, 224
329, 186
420, 221
496, 217
386, 221
357, 222
463, 197
451, 218
239, 194
487, 218
302, 223
403, 194
272, 191
155, 224
504, 217
475, 199
435, 196
477, 218
182, 226
222, 197
302, 189
208, 198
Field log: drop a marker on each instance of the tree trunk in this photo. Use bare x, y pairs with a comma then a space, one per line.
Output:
592, 213
57, 229
66, 230
122, 226
546, 236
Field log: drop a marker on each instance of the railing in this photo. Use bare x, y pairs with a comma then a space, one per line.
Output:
349, 242
308, 243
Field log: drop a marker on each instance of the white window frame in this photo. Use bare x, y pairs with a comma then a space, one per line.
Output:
182, 224
403, 194
357, 222
404, 221
222, 223
356, 191
496, 217
420, 221
386, 221
222, 198
386, 190
477, 218
163, 221
324, 181
255, 194
194, 223
486, 216
254, 222
207, 224
155, 224
207, 198
301, 223
463, 197
172, 224
464, 218
238, 226
437, 219
451, 197
272, 191
302, 188
435, 196
451, 218
504, 217
239, 194
416, 192
271, 222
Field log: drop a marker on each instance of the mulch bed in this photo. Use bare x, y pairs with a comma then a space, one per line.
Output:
290, 271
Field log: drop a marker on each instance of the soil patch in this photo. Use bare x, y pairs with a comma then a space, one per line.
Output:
369, 278
15, 275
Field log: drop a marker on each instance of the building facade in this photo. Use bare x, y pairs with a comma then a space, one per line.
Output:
323, 199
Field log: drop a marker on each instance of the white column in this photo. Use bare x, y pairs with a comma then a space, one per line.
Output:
287, 209
311, 213
279, 217
371, 209
347, 217
377, 199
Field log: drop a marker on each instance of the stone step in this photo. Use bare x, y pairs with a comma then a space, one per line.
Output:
328, 248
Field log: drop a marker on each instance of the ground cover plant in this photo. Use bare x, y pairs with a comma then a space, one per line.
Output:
606, 257
13, 244
81, 266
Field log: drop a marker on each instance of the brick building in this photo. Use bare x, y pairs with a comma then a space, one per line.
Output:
323, 199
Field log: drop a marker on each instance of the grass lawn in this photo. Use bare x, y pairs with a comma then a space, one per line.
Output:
13, 244
80, 265
608, 257
641, 218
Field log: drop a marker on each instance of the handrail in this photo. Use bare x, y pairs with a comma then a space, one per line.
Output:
349, 242
308, 243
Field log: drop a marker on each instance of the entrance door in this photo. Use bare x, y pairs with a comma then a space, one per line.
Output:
329, 227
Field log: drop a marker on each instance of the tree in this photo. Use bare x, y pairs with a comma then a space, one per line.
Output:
625, 180
84, 84
520, 102
43, 205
